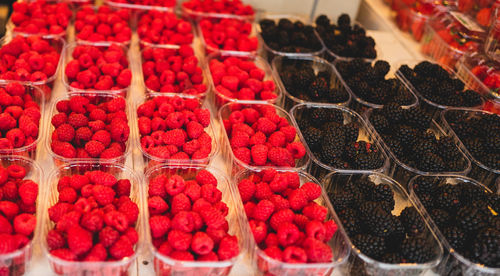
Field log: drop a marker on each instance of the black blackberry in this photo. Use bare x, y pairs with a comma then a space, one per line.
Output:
486, 247
341, 200
408, 73
318, 89
351, 132
322, 20
430, 162
471, 98
423, 146
369, 245
368, 206
491, 160
455, 237
367, 161
393, 241
380, 123
406, 135
344, 20
349, 220
458, 85
392, 258
337, 96
417, 118
416, 250
393, 112
427, 201
440, 217
303, 80
447, 197
492, 143
412, 221
395, 146
474, 145
425, 69
320, 116
384, 194
379, 222
381, 68
312, 136
470, 193
366, 187
469, 219
353, 149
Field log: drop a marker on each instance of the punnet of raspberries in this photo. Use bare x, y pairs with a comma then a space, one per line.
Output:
20, 119
235, 7
40, 17
187, 218
259, 136
98, 68
173, 70
94, 218
159, 3
242, 79
228, 34
286, 221
174, 128
102, 24
29, 58
17, 209
159, 27
87, 127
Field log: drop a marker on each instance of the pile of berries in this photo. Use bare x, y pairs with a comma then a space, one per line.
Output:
488, 72
259, 136
480, 134
172, 70
105, 24
436, 84
159, 27
234, 7
90, 128
365, 210
345, 40
94, 218
368, 82
98, 68
480, 10
20, 119
289, 37
409, 134
40, 17
30, 58
286, 222
465, 214
240, 78
188, 219
174, 128
158, 3
336, 143
228, 34
303, 81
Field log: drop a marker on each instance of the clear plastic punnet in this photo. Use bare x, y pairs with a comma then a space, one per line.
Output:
453, 263
18, 262
318, 64
361, 264
111, 268
318, 168
234, 165
479, 171
402, 172
164, 265
266, 265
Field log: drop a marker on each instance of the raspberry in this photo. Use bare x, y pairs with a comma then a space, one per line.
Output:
157, 205
130, 210
317, 251
121, 248
25, 224
179, 240
263, 210
183, 221
210, 193
298, 199
280, 217
201, 243
157, 186
182, 256
94, 148
205, 177
77, 120
98, 253
330, 229
56, 211
265, 125
79, 240
100, 177
281, 157
259, 230
293, 179
312, 190
274, 252
65, 132
279, 183
159, 225
247, 189
279, 202
5, 226
28, 191
108, 236
117, 220
64, 254
288, 234
314, 211
175, 185
210, 257
212, 217
55, 240
296, 149
67, 194
263, 191
103, 194
259, 154
179, 203
228, 248
193, 190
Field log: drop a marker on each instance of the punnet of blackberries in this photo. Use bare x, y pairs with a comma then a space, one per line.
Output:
366, 211
369, 82
413, 138
345, 39
305, 81
288, 36
335, 140
436, 84
480, 134
467, 215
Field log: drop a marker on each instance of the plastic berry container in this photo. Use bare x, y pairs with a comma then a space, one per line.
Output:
68, 56
197, 15
316, 166
432, 108
162, 5
152, 161
318, 64
119, 267
480, 11
453, 263
402, 172
95, 98
145, 41
270, 53
164, 265
45, 85
361, 264
268, 266
479, 171
234, 164
201, 64
221, 99
18, 262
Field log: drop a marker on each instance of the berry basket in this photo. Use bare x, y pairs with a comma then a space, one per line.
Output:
158, 28
98, 99
453, 263
359, 262
317, 167
18, 261
165, 265
318, 65
266, 265
115, 268
482, 173
402, 172
198, 15
235, 164
68, 58
45, 85
270, 53
162, 5
151, 160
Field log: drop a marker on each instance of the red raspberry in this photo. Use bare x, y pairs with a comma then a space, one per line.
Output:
317, 251
279, 183
301, 221
210, 257
93, 221
316, 230
210, 193
165, 248
132, 235
193, 190
205, 177
272, 240
263, 191
259, 154
330, 229
24, 224
298, 199
94, 148
281, 157
157, 205
182, 256
274, 252
228, 248
5, 225
259, 230
117, 220
203, 116
315, 212
201, 243
263, 210
277, 139
279, 202
28, 191
103, 194
157, 186
55, 240
179, 203
296, 149
56, 211
242, 154
121, 248
79, 240
65, 132
294, 254
183, 221
200, 204
246, 189
293, 179
179, 240
159, 225
10, 191
175, 185
108, 236
212, 217
100, 177
312, 190
288, 234
67, 194
280, 217
265, 125
98, 253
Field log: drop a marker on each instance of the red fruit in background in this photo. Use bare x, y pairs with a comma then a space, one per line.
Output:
483, 16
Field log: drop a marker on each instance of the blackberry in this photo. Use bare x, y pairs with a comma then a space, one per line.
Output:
395, 146
322, 20
406, 135
381, 68
393, 241
424, 146
303, 80
448, 198
351, 132
492, 143
368, 206
392, 258
469, 219
474, 145
369, 245
380, 123
379, 222
318, 89
350, 222
440, 217
344, 20
313, 136
412, 221
366, 187
341, 200
455, 237
337, 96
324, 115
408, 73
491, 160
469, 193
430, 162
384, 194
426, 200
417, 118
354, 149
367, 161
416, 250
425, 69
486, 247
393, 112
471, 98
